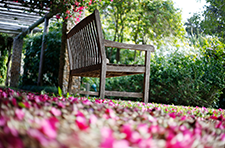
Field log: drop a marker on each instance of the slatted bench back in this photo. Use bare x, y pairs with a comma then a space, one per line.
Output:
85, 43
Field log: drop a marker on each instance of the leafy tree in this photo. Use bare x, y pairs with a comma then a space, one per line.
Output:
214, 18
193, 25
139, 22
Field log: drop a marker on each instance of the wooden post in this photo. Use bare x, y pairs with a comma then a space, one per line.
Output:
16, 61
40, 75
62, 54
146, 76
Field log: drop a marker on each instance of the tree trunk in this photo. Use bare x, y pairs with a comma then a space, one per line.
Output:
62, 54
16, 61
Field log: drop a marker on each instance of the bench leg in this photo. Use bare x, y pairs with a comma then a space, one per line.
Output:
69, 83
102, 82
146, 76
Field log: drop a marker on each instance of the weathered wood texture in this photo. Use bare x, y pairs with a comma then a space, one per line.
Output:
62, 54
16, 61
86, 51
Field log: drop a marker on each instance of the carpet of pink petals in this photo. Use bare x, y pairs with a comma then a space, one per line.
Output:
29, 120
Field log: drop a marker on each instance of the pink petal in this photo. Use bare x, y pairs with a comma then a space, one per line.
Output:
11, 131
135, 138
121, 143
110, 112
81, 123
4, 95
14, 102
48, 128
61, 105
86, 102
36, 134
172, 115
93, 119
19, 114
55, 112
58, 16
126, 129
107, 138
80, 114
143, 128
2, 120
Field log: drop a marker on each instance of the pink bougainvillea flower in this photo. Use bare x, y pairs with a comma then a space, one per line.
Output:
87, 102
93, 119
27, 105
172, 115
135, 137
183, 118
14, 102
77, 3
11, 131
67, 11
55, 112
61, 105
81, 123
36, 134
2, 120
143, 128
19, 114
58, 16
126, 129
154, 129
110, 113
55, 99
48, 127
107, 138
3, 94
98, 101
223, 137
120, 144
214, 117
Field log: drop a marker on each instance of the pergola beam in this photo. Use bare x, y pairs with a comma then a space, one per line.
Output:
38, 22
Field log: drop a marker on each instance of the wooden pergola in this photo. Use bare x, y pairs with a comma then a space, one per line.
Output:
14, 17
17, 21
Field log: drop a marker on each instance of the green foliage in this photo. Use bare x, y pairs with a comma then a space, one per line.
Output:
193, 25
139, 22
195, 79
3, 56
60, 92
51, 57
39, 89
214, 18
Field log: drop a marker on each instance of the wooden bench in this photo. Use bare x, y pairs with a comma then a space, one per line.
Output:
87, 58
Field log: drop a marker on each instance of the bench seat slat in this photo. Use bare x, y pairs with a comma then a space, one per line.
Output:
114, 93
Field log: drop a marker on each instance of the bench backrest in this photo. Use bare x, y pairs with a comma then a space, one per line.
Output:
85, 42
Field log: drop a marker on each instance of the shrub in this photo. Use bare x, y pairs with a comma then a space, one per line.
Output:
195, 79
51, 57
3, 56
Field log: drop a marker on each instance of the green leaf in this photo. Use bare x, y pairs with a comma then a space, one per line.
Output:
60, 91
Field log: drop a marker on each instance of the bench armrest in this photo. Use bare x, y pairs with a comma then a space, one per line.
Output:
129, 46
